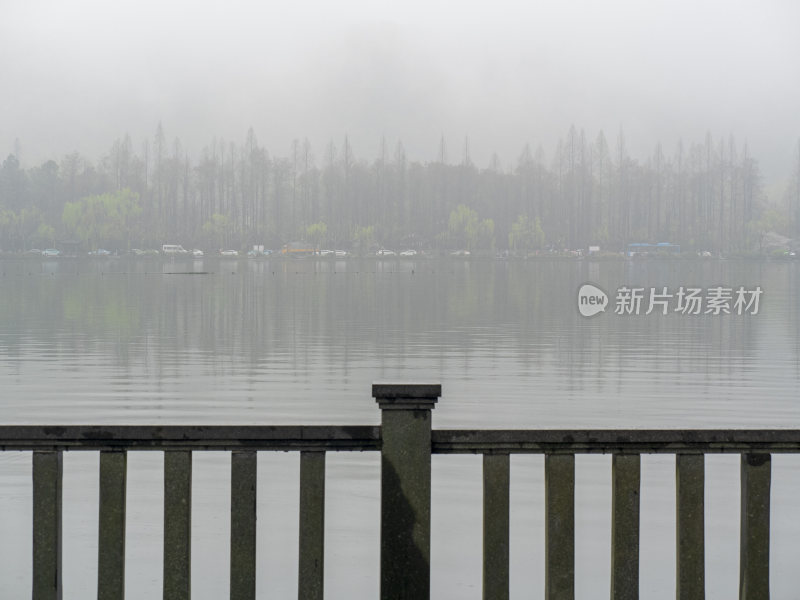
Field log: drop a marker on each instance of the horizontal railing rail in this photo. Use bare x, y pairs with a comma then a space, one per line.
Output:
614, 441
190, 437
368, 437
406, 442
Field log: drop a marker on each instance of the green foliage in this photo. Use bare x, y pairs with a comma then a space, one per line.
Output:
218, 229
708, 198
17, 229
525, 236
773, 220
484, 236
8, 225
7, 218
364, 238
466, 230
106, 219
28, 222
601, 234
45, 235
316, 233
462, 220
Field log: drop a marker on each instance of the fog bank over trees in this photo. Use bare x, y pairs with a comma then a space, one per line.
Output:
588, 190
76, 74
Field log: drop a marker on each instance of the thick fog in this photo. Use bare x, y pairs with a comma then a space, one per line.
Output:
77, 74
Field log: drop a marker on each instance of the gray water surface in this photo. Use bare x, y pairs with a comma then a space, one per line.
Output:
301, 341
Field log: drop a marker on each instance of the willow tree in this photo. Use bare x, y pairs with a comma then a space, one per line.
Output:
108, 219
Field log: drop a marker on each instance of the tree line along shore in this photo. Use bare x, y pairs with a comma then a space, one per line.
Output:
586, 193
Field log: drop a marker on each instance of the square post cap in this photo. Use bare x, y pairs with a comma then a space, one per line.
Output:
406, 396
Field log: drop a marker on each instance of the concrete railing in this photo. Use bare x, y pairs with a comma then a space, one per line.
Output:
406, 442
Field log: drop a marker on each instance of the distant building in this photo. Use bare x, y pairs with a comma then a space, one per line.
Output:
645, 248
301, 248
70, 247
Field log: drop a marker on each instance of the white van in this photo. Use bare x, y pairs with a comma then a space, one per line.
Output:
173, 249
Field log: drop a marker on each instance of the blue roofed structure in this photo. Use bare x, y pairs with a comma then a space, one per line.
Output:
646, 248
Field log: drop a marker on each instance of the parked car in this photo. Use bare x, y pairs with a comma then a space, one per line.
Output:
385, 252
51, 252
197, 253
229, 253
408, 253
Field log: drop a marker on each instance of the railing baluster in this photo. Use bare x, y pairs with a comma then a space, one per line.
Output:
312, 526
625, 481
690, 525
177, 525
47, 478
496, 475
406, 442
111, 526
754, 544
559, 483
243, 524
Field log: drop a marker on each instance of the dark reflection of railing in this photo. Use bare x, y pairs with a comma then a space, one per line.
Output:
406, 442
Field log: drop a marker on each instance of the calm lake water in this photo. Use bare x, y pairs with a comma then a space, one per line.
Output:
301, 341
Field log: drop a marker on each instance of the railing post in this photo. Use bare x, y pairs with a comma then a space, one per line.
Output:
177, 525
111, 526
496, 479
244, 478
690, 526
756, 477
47, 477
405, 488
625, 484
559, 508
311, 568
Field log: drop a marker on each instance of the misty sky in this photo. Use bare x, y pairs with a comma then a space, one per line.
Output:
76, 74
